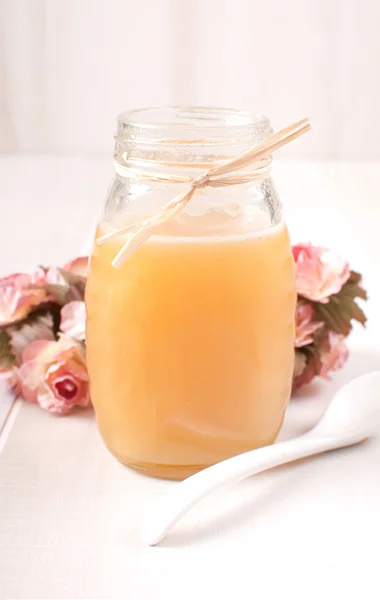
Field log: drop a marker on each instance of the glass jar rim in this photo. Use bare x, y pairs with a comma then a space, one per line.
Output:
192, 125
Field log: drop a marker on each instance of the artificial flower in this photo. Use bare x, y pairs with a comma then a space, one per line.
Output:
334, 353
319, 272
54, 375
40, 327
78, 266
73, 320
68, 284
53, 276
305, 326
10, 381
20, 294
305, 369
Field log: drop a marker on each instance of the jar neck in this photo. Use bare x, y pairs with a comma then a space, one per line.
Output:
185, 141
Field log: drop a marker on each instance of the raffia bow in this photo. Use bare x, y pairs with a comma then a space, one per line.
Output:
223, 175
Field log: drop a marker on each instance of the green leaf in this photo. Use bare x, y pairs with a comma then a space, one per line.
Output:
355, 277
7, 358
299, 362
50, 308
313, 356
352, 310
307, 363
333, 316
342, 308
353, 290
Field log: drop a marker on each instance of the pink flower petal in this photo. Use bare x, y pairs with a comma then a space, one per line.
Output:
32, 350
19, 294
84, 400
73, 320
334, 353
54, 277
319, 272
26, 372
305, 326
48, 401
17, 280
54, 374
65, 388
306, 375
79, 266
10, 381
38, 276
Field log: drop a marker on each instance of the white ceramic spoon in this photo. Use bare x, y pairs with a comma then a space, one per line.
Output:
352, 416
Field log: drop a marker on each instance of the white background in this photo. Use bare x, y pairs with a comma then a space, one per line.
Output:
70, 66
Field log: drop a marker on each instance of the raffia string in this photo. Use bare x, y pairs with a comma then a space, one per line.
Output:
223, 175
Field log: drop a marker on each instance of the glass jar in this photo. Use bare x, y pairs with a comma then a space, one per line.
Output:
190, 343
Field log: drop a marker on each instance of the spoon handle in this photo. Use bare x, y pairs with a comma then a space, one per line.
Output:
179, 499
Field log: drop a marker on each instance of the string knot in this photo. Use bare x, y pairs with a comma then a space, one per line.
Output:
200, 181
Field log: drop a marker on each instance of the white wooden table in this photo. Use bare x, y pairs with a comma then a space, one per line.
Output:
70, 514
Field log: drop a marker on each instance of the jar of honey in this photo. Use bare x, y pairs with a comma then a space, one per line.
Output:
190, 342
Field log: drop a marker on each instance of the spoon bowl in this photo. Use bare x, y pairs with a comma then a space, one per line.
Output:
354, 411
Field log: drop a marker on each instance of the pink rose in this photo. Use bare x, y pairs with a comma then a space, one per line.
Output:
319, 272
78, 266
73, 320
54, 375
10, 381
334, 353
305, 326
20, 294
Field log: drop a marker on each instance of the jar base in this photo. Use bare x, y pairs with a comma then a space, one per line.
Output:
173, 472
180, 472
159, 471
